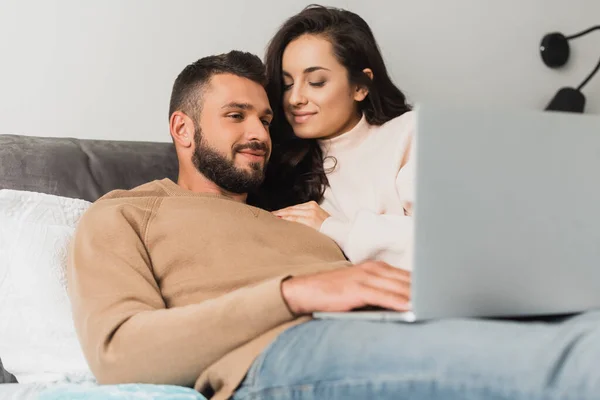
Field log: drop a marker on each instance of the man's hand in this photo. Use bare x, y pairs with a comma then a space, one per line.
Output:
309, 214
372, 283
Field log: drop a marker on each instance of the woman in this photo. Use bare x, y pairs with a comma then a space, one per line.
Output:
343, 136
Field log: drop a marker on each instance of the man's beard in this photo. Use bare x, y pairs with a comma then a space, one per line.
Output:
222, 171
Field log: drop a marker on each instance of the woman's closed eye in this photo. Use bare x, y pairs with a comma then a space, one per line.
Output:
313, 84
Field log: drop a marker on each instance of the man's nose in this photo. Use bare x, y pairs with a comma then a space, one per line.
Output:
257, 130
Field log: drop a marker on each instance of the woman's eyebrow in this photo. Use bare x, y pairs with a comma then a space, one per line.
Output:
308, 70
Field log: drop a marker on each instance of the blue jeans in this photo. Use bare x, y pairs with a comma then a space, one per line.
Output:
463, 359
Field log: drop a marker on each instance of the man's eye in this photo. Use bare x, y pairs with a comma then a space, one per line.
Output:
266, 122
236, 116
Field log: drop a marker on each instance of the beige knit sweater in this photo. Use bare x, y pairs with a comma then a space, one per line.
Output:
174, 287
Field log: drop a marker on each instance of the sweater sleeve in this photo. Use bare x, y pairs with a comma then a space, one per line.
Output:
387, 237
127, 332
371, 236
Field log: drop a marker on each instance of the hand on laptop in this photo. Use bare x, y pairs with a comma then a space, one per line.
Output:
372, 283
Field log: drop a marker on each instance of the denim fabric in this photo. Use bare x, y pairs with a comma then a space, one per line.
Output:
463, 359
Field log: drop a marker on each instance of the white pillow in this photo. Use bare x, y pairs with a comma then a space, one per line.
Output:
37, 336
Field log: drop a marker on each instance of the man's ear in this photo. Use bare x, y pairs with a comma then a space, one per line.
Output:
182, 129
362, 91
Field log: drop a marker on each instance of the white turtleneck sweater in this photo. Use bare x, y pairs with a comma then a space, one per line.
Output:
371, 191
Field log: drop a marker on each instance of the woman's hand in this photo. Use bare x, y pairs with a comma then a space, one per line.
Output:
309, 214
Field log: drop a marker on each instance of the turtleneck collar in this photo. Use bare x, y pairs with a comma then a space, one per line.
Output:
348, 140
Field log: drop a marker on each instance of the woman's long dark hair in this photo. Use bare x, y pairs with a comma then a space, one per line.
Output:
295, 173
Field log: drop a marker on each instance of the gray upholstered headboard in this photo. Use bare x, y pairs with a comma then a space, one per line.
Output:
84, 169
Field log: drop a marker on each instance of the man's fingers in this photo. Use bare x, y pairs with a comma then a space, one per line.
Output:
385, 299
387, 271
388, 285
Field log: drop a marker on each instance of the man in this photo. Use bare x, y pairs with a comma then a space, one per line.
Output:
182, 283
186, 284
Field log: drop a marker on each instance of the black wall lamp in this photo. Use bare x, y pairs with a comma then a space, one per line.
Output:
555, 53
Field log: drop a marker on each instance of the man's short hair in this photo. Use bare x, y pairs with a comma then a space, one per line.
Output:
189, 85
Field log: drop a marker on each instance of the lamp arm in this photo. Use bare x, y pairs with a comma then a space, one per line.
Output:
589, 77
583, 33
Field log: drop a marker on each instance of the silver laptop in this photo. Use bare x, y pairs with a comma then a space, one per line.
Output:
507, 215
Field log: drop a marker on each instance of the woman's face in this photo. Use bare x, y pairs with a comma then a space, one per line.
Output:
318, 99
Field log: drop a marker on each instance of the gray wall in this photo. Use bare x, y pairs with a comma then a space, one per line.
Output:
104, 69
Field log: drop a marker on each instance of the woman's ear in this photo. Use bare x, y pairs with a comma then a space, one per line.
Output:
182, 129
363, 91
